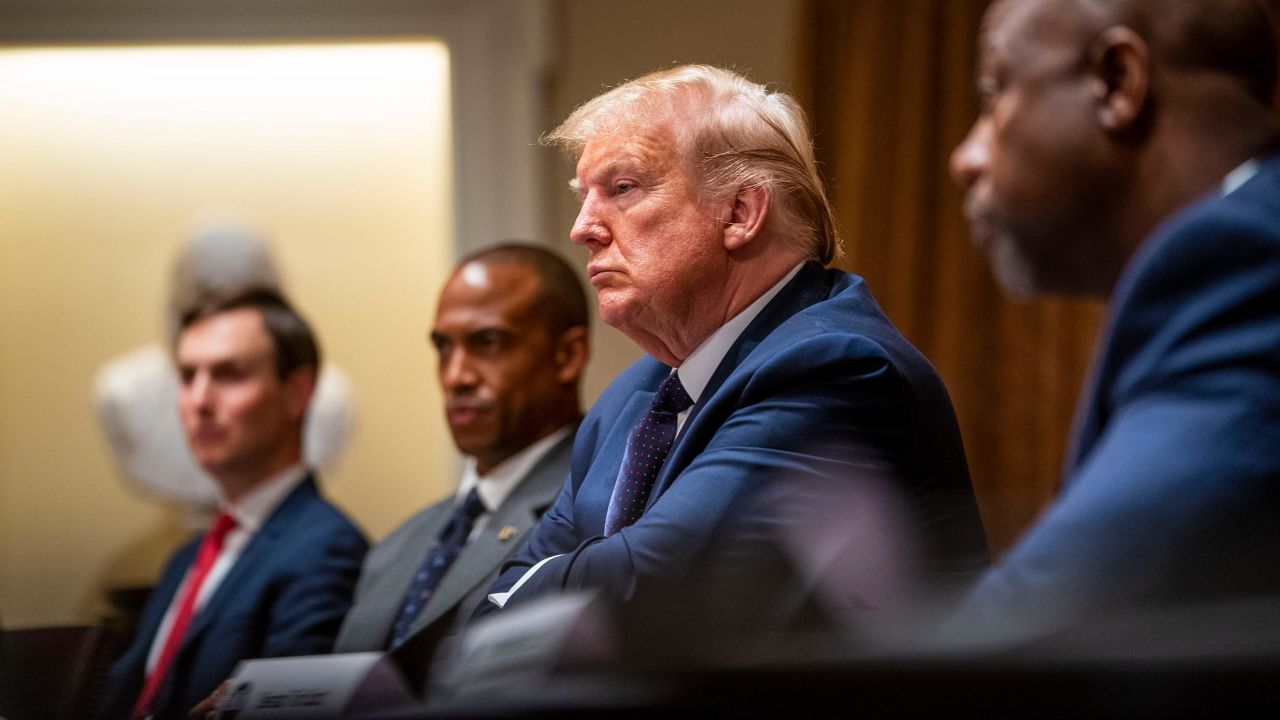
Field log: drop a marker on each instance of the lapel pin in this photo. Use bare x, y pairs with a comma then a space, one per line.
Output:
507, 532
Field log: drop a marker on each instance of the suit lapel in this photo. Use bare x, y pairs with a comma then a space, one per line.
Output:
476, 561
375, 621
170, 584
246, 566
1089, 414
809, 286
504, 531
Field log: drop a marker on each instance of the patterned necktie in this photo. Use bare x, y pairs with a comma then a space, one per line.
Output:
448, 545
206, 556
647, 448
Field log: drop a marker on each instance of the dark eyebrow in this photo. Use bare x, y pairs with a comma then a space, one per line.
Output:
491, 329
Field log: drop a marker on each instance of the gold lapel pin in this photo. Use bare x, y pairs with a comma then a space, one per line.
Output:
507, 532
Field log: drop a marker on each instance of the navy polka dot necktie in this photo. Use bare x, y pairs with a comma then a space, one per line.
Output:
450, 542
647, 448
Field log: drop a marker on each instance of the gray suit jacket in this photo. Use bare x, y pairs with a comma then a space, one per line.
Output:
390, 566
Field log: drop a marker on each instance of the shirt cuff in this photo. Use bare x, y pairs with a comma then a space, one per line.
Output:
500, 599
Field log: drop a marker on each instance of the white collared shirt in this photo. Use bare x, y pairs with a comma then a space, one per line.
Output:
495, 487
250, 512
697, 369
1239, 176
695, 372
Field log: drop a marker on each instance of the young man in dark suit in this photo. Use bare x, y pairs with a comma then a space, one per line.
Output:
274, 575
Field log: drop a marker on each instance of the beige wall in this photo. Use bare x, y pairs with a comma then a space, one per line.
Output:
109, 161
361, 221
602, 44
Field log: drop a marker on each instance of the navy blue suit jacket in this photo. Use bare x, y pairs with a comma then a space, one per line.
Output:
820, 383
286, 595
1172, 487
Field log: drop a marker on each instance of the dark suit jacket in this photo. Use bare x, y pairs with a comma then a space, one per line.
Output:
392, 563
285, 595
1172, 488
820, 383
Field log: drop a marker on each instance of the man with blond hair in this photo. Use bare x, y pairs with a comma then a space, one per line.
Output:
707, 228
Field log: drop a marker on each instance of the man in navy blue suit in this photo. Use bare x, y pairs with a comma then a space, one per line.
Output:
275, 574
1128, 149
707, 228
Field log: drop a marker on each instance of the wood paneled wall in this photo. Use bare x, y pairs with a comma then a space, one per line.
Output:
890, 86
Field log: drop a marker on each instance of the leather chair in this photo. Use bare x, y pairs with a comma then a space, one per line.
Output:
57, 672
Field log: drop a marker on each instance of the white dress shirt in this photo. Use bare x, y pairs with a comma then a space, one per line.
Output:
696, 370
1239, 176
497, 485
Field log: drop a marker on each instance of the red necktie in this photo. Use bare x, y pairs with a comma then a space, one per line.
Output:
210, 548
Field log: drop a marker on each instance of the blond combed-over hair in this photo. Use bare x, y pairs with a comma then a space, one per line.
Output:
731, 134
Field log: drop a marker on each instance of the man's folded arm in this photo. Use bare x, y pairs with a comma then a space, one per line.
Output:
553, 535
842, 423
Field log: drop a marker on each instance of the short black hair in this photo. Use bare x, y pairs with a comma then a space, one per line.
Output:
1237, 38
561, 299
294, 342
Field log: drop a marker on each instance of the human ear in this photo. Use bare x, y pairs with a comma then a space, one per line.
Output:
1122, 76
298, 388
746, 217
572, 352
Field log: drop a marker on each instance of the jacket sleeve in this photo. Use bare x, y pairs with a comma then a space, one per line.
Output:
1178, 495
315, 594
826, 406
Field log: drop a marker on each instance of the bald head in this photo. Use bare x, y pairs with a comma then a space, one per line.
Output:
562, 303
1233, 38
1103, 117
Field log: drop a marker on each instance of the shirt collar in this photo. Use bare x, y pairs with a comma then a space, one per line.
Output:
253, 508
697, 369
503, 479
1239, 176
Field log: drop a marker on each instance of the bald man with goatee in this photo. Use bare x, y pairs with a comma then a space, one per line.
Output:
1128, 150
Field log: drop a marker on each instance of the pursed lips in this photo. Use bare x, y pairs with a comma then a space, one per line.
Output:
598, 274
465, 413
207, 434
